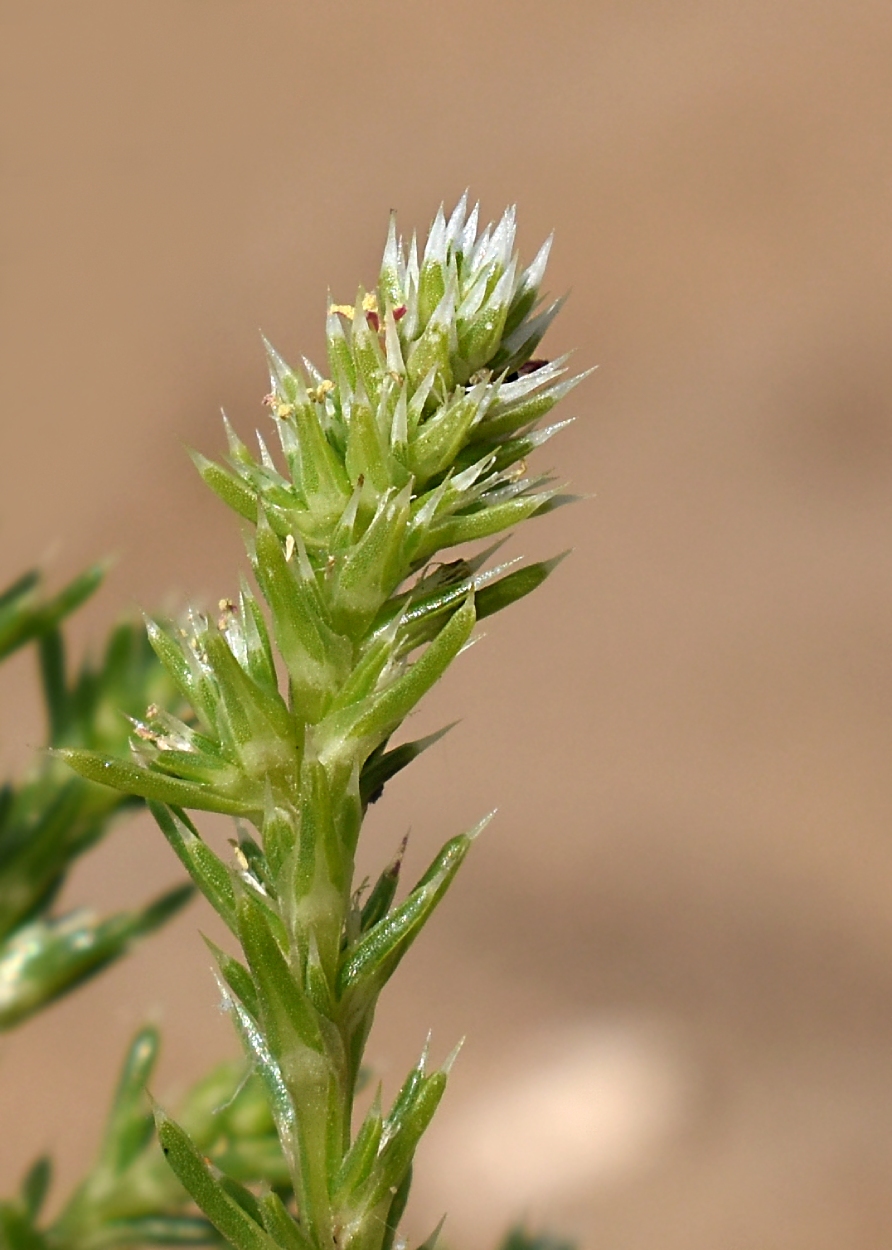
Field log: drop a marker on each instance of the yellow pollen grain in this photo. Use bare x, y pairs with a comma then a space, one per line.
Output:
319, 392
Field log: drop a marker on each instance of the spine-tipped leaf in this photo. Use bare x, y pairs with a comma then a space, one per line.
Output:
375, 956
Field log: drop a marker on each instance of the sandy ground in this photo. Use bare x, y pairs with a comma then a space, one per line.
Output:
672, 952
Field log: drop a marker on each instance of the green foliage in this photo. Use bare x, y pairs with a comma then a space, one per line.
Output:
130, 1196
520, 1238
414, 442
53, 817
25, 615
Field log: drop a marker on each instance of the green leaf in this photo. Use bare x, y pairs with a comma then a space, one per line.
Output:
507, 590
439, 439
227, 486
47, 958
408, 1092
367, 458
520, 1238
36, 1185
316, 469
287, 1015
280, 1224
480, 338
72, 596
148, 784
174, 660
396, 1210
198, 1178
367, 354
367, 573
316, 658
356, 1166
395, 1158
340, 358
505, 419
278, 1096
242, 1195
129, 1125
389, 283
280, 832
483, 523
11, 598
236, 976
261, 725
385, 711
205, 868
16, 1230
377, 905
371, 962
434, 347
261, 665
432, 278
381, 765
55, 691
154, 1230
23, 617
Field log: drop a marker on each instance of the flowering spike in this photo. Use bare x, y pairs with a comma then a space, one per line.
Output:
415, 442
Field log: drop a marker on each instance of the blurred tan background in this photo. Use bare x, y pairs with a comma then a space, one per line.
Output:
672, 952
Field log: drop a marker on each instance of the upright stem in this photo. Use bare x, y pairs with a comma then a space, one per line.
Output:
414, 443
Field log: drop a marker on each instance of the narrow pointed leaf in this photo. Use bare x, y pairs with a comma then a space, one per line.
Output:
46, 959
130, 1124
147, 784
155, 1230
205, 868
390, 708
396, 1156
234, 492
287, 1013
360, 1158
377, 905
237, 977
281, 1225
36, 1185
197, 1178
382, 765
507, 590
374, 958
396, 1210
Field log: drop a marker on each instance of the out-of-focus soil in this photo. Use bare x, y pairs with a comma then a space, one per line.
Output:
672, 951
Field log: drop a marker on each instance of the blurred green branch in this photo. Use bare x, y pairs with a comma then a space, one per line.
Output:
52, 817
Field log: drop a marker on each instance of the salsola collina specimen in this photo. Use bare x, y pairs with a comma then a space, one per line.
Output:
414, 442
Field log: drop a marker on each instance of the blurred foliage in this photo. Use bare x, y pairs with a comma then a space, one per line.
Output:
52, 817
519, 1238
130, 1196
